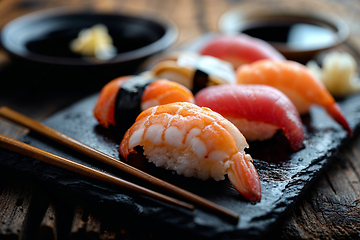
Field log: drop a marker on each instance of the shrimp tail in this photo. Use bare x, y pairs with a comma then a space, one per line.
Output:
335, 112
243, 176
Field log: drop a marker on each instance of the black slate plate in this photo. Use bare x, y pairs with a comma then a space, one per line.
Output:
285, 175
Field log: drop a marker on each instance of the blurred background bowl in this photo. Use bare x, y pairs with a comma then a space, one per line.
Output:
39, 43
298, 36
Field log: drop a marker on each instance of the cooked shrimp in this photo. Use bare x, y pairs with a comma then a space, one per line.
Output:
194, 142
297, 82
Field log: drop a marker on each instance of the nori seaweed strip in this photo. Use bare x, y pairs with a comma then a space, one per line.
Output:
209, 67
200, 80
128, 101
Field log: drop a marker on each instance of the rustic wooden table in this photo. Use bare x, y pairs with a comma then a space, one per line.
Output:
329, 211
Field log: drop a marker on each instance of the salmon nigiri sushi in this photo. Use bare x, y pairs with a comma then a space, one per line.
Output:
297, 82
122, 99
194, 142
258, 111
240, 49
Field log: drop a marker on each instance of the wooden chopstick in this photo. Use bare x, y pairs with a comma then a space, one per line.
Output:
41, 155
91, 152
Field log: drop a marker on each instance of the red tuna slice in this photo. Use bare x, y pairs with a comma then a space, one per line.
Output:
240, 49
258, 111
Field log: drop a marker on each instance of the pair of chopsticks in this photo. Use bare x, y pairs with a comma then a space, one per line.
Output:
25, 149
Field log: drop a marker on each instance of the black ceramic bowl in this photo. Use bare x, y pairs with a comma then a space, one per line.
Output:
298, 36
42, 40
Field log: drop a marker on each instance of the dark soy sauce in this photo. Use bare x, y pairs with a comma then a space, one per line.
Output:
57, 43
298, 35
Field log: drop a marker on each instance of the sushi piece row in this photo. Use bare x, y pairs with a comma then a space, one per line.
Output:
205, 136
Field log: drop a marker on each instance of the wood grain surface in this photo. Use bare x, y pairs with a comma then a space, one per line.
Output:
330, 210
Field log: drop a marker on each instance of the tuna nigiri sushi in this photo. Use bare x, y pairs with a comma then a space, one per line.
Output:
258, 111
194, 142
240, 49
297, 82
195, 71
122, 99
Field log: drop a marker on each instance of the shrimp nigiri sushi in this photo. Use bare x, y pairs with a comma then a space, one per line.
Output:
194, 142
122, 99
258, 111
240, 49
297, 82
195, 71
